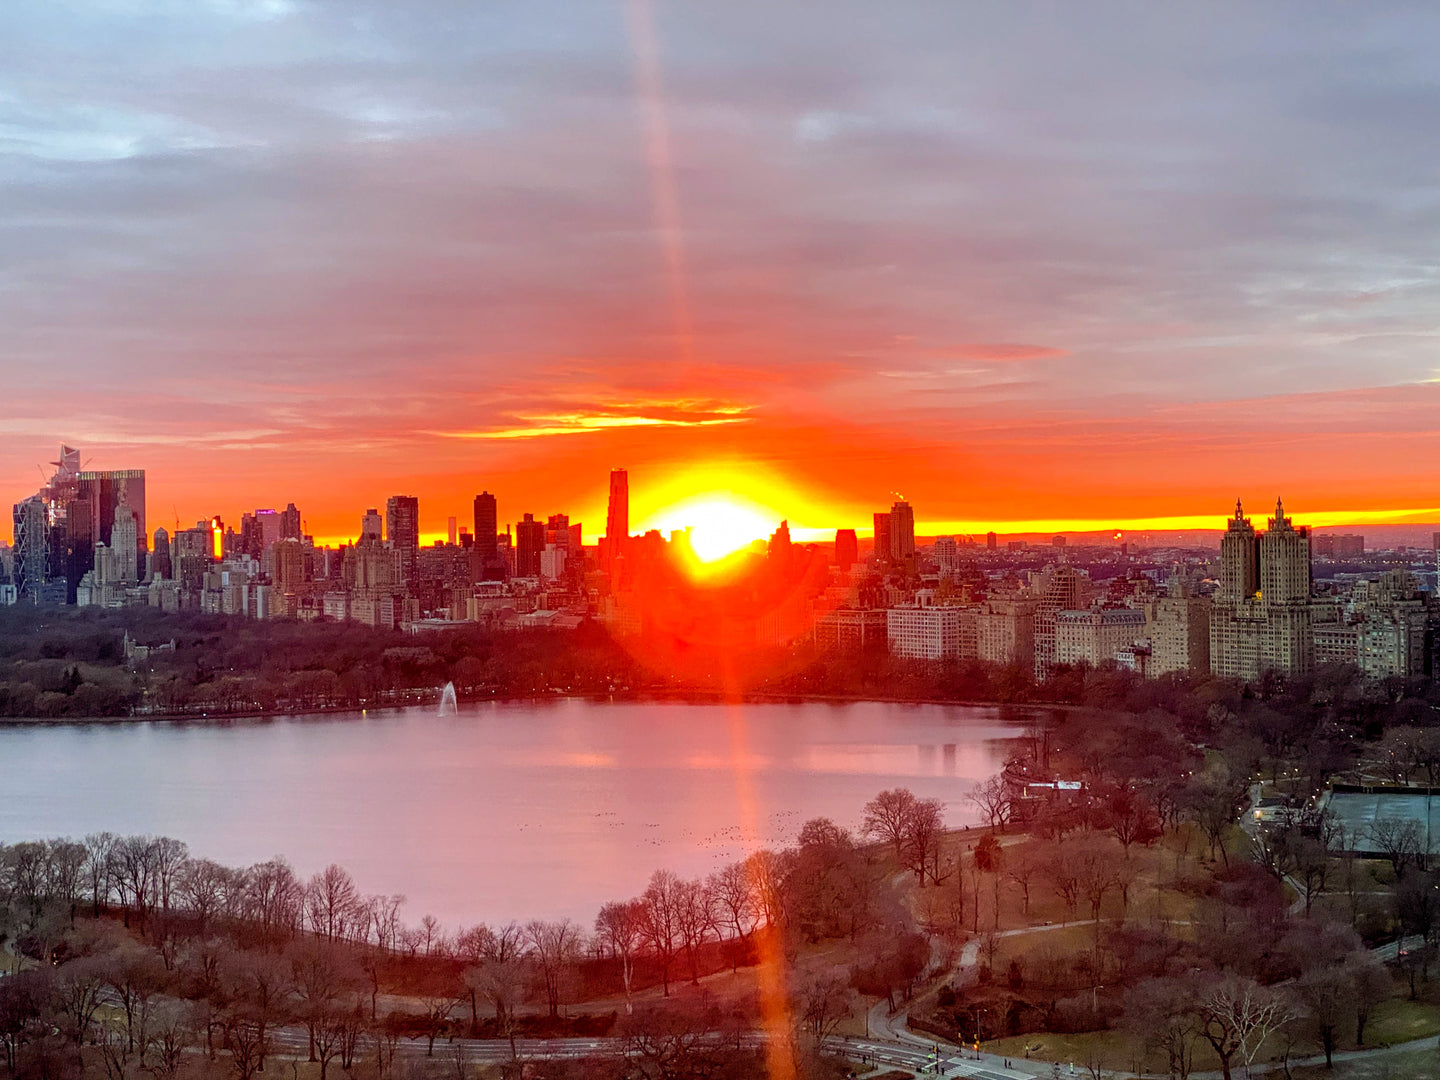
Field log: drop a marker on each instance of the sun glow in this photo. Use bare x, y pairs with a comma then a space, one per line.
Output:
720, 523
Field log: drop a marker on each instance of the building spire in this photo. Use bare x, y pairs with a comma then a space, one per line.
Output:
1238, 512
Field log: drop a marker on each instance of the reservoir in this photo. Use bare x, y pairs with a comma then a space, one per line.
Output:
503, 811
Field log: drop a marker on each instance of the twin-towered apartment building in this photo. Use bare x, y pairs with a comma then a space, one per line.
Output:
1257, 613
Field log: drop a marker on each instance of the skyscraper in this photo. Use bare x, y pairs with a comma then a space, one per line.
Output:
1261, 620
31, 545
160, 555
402, 524
1060, 591
290, 522
779, 549
882, 539
902, 531
123, 540
847, 548
271, 524
1284, 561
529, 543
372, 527
105, 491
617, 516
1239, 559
486, 526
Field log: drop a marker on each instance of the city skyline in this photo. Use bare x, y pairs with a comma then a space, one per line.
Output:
721, 522
796, 270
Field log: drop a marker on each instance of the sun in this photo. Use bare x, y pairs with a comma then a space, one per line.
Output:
720, 523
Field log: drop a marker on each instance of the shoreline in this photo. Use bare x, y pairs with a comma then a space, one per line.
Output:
693, 697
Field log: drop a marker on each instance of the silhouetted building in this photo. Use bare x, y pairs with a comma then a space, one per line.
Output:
1337, 546
851, 629
270, 526
991, 541
779, 549
486, 527
529, 543
160, 555
847, 548
617, 514
402, 524
372, 526
290, 522
882, 539
946, 553
902, 531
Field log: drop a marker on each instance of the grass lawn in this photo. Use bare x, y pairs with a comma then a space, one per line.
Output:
1112, 1049
1400, 1020
1401, 1065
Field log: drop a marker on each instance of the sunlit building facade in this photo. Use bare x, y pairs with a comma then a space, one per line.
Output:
1261, 617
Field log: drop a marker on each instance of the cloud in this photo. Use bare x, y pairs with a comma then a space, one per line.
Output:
1000, 353
680, 413
358, 224
578, 424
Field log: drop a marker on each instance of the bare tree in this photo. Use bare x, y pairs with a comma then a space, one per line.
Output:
99, 868
553, 945
136, 976
332, 904
246, 1044
262, 983
733, 898
502, 983
620, 927
67, 864
435, 943
1212, 801
274, 896
887, 817
172, 1033
1063, 873
136, 861
1096, 874
767, 871
1398, 840
78, 987
819, 1004
922, 840
992, 799
661, 926
322, 976
170, 856
438, 1009
1022, 868
1236, 1015
696, 918
202, 886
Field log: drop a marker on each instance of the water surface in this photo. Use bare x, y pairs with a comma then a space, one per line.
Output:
513, 810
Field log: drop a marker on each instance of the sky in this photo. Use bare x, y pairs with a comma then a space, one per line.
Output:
1050, 264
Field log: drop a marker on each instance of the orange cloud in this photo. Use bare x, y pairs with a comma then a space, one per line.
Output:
1002, 353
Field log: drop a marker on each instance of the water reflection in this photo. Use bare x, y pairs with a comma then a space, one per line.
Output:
504, 810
